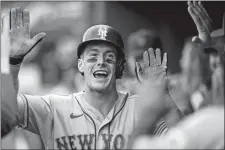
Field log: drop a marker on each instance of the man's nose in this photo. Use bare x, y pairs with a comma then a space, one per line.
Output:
101, 60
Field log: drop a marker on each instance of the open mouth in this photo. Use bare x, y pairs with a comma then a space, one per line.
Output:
100, 74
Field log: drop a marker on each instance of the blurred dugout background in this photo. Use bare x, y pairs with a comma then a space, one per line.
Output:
51, 67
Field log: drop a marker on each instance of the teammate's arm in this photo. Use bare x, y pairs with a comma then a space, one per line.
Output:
8, 94
153, 68
20, 45
151, 105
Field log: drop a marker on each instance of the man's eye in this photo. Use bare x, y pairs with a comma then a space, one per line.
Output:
111, 61
92, 59
94, 54
111, 56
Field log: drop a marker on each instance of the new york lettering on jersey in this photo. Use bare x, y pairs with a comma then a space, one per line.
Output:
87, 141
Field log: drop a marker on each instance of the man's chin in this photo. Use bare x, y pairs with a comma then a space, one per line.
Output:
100, 87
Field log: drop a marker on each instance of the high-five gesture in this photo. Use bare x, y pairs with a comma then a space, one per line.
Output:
203, 23
21, 43
154, 93
153, 66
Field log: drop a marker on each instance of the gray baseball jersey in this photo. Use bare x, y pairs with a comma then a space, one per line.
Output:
69, 122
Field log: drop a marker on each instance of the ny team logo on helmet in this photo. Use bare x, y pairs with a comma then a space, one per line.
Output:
108, 34
102, 31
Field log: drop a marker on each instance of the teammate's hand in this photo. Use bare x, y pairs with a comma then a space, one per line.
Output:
152, 67
153, 94
202, 22
153, 74
21, 43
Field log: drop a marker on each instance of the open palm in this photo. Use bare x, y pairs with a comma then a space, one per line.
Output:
21, 43
203, 23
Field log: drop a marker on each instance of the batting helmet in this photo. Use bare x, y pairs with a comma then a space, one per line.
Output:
104, 33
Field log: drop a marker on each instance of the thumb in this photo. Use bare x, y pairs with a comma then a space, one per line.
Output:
137, 71
35, 40
197, 41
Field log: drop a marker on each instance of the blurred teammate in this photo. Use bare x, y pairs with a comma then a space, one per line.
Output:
203, 129
100, 117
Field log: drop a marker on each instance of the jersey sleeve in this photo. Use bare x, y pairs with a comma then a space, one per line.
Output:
35, 114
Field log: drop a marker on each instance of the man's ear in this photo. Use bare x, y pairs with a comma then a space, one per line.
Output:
81, 65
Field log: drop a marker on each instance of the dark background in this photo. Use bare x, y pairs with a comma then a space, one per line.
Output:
176, 14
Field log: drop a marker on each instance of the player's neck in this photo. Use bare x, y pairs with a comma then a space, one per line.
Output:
102, 101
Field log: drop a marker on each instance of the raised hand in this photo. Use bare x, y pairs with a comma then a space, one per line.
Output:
21, 43
153, 76
153, 66
203, 23
154, 93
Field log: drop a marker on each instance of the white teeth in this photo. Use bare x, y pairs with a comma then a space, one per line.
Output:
101, 73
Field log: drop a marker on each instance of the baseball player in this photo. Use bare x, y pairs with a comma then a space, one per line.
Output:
99, 117
203, 129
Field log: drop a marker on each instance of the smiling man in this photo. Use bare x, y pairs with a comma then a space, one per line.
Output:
99, 117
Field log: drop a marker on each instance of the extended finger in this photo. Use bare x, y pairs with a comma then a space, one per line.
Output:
164, 62
205, 15
5, 24
2, 23
152, 57
35, 40
138, 71
201, 15
146, 59
205, 12
26, 22
158, 56
19, 17
13, 18
196, 19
